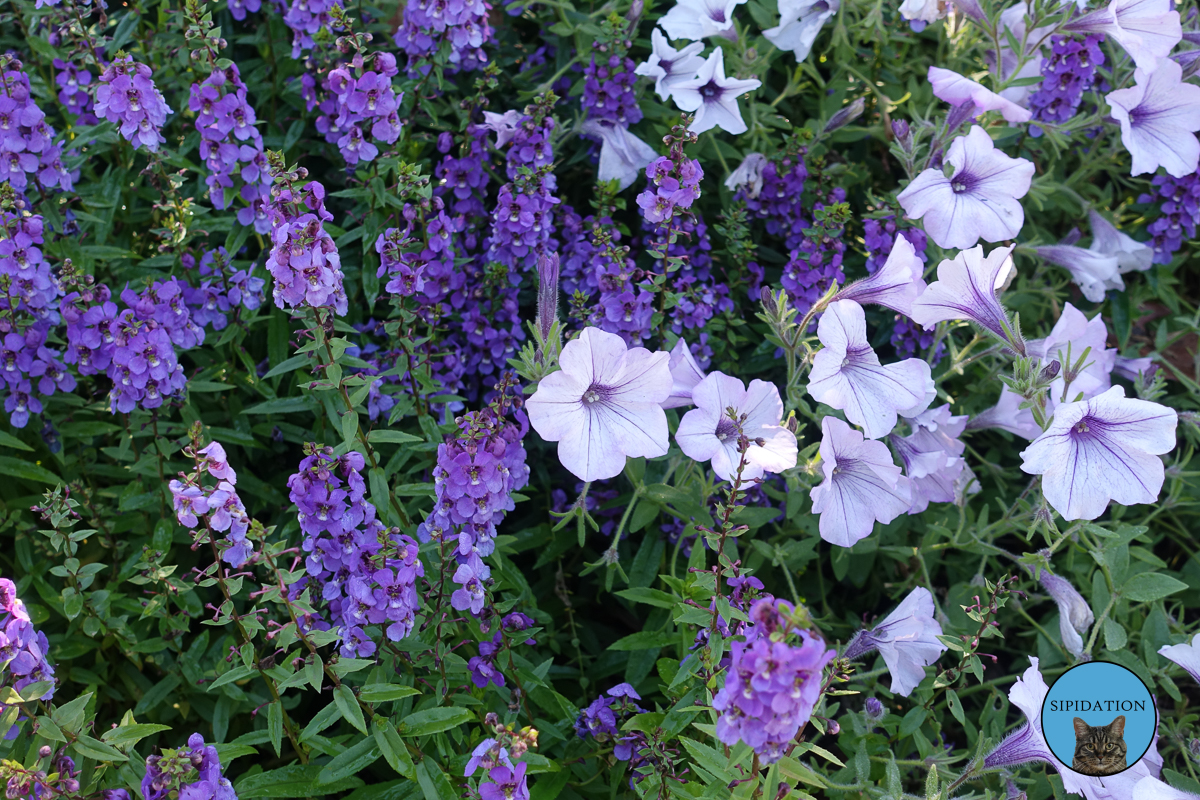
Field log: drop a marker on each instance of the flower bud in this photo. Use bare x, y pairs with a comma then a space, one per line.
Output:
833, 728
903, 134
547, 304
44, 751
874, 709
846, 115
1050, 372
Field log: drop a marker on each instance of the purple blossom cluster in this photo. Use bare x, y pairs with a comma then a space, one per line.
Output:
360, 108
879, 236
505, 782
483, 666
74, 90
459, 27
305, 18
29, 285
61, 779
238, 9
608, 86
364, 573
304, 260
777, 200
699, 295
222, 289
27, 148
463, 181
128, 98
772, 684
602, 719
23, 648
31, 370
523, 219
478, 469
219, 506
231, 145
423, 245
674, 186
192, 772
1067, 74
815, 263
1178, 201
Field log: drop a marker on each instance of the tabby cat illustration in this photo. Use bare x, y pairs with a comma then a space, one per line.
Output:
1099, 749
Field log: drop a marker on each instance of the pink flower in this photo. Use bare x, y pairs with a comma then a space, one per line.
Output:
847, 375
707, 433
604, 405
980, 199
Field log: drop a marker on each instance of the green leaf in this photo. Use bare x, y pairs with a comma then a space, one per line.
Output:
650, 597
434, 720
354, 760
235, 674
127, 736
275, 725
392, 747
296, 780
708, 758
97, 750
11, 441
643, 640
281, 405
27, 470
292, 364
385, 692
1115, 637
124, 31
380, 436
434, 783
955, 706
208, 386
1147, 587
347, 703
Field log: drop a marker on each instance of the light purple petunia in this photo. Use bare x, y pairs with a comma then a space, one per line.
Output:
966, 289
862, 485
1147, 29
896, 285
1100, 450
932, 458
847, 374
698, 19
713, 97
1093, 272
978, 201
957, 90
1159, 115
1151, 788
685, 374
707, 433
623, 156
669, 67
1007, 415
1074, 333
1074, 614
604, 405
907, 640
1185, 655
1028, 744
799, 23
1132, 255
748, 177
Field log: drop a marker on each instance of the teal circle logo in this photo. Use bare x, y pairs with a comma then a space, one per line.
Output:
1099, 718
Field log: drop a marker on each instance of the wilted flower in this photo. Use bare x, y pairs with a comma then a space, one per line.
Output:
1074, 614
685, 374
623, 156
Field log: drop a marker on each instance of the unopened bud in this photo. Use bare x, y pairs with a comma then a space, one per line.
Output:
874, 709
547, 304
833, 729
44, 751
635, 11
958, 115
1050, 372
846, 115
903, 134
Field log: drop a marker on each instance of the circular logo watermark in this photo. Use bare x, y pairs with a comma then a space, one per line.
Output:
1099, 718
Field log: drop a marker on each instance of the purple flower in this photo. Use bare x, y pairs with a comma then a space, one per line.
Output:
932, 457
1159, 115
1185, 655
978, 201
966, 289
699, 19
1151, 788
1100, 450
669, 67
907, 640
1147, 29
1179, 212
604, 405
708, 433
1092, 272
304, 260
896, 285
1131, 255
799, 23
685, 374
1007, 415
862, 485
772, 685
505, 783
471, 575
1074, 333
957, 90
1067, 74
487, 755
711, 95
847, 374
460, 28
129, 99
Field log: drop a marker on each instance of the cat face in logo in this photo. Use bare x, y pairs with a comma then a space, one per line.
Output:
1099, 749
